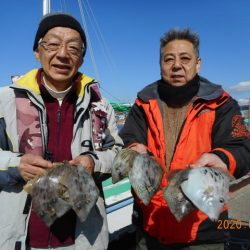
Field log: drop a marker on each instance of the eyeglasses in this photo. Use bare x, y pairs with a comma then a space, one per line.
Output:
73, 49
184, 60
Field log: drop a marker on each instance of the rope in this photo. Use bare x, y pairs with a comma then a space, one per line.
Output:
98, 33
88, 39
96, 29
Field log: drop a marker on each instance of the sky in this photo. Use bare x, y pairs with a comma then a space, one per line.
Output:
123, 40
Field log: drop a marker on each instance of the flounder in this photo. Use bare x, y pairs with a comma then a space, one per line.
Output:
122, 163
208, 189
177, 202
145, 177
143, 171
205, 188
61, 188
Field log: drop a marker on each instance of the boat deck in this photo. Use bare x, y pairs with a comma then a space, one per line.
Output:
119, 205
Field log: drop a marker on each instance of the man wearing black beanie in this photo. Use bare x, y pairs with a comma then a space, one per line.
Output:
54, 114
50, 21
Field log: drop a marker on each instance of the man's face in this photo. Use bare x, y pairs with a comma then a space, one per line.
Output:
60, 54
179, 62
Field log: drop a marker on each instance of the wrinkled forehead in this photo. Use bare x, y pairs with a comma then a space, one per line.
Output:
179, 46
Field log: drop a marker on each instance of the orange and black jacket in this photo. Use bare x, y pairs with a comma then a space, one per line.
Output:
213, 124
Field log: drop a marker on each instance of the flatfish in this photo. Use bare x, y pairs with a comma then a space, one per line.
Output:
143, 171
177, 201
208, 189
145, 177
62, 188
122, 164
83, 193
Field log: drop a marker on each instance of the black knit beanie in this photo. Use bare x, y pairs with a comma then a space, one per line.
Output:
53, 20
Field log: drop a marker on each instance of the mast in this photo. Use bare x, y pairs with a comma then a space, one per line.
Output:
46, 7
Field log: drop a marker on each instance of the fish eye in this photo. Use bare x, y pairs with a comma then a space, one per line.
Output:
78, 206
222, 200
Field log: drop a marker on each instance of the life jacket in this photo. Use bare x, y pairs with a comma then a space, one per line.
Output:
195, 139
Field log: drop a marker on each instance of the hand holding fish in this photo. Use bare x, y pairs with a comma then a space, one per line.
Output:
122, 164
61, 188
209, 160
33, 165
206, 188
140, 148
142, 170
86, 161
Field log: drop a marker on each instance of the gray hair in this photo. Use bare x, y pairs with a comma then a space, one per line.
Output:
176, 34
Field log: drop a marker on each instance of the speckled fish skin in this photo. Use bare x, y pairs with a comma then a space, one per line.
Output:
60, 189
145, 177
208, 189
45, 200
177, 202
85, 193
41, 200
122, 163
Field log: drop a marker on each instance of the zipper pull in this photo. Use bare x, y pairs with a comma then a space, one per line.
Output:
59, 116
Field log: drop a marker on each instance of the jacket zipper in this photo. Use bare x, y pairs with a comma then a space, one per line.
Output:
50, 238
59, 114
91, 131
